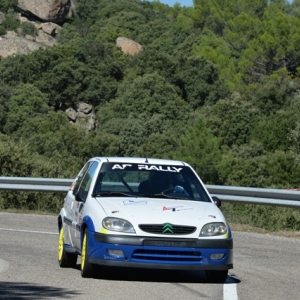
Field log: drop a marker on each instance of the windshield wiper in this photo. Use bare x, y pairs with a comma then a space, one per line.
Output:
164, 196
111, 194
155, 195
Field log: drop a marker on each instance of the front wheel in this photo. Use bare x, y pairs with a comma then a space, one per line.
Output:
65, 259
86, 266
216, 276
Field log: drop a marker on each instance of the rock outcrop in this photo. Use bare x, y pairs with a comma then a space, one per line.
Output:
49, 28
82, 116
50, 12
11, 44
14, 43
128, 46
55, 11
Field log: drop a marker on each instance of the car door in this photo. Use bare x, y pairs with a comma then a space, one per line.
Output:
84, 185
70, 203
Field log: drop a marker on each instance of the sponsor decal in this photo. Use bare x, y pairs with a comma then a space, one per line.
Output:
135, 202
159, 168
175, 208
148, 168
120, 167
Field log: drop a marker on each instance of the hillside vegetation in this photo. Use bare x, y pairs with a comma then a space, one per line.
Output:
216, 85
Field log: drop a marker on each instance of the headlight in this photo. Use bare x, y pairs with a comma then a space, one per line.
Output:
213, 229
116, 224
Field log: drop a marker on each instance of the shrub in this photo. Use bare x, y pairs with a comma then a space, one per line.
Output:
2, 30
10, 23
29, 28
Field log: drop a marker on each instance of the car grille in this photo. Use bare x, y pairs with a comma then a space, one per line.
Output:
167, 255
167, 229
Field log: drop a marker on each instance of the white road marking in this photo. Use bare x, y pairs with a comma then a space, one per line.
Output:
28, 231
230, 290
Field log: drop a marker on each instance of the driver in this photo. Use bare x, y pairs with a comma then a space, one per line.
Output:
157, 182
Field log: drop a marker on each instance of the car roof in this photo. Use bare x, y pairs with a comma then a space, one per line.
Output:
140, 160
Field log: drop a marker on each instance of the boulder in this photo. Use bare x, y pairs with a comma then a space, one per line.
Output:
50, 28
11, 44
17, 43
128, 46
82, 116
45, 39
54, 11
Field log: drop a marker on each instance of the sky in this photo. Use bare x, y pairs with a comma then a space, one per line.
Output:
181, 2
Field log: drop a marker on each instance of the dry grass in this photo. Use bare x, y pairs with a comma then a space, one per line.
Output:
249, 228
26, 211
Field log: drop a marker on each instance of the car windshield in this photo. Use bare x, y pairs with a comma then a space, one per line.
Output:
149, 180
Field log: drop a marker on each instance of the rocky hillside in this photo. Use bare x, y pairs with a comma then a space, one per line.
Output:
34, 26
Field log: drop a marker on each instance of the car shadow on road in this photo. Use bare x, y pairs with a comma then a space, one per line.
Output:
24, 290
152, 275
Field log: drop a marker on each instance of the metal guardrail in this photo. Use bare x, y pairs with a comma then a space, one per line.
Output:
35, 184
246, 195
276, 197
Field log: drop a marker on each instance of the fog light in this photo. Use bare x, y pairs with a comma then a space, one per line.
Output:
114, 252
217, 256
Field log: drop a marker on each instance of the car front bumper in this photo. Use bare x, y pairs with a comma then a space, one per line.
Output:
160, 252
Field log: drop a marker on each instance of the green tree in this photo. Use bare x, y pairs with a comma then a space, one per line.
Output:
294, 139
198, 79
26, 107
273, 131
272, 93
150, 61
250, 165
160, 145
216, 50
67, 33
150, 94
5, 93
240, 30
232, 120
132, 136
200, 148
253, 8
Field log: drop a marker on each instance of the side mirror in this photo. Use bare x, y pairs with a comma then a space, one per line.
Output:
81, 196
217, 201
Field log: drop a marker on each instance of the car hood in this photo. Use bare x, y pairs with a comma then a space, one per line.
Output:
161, 210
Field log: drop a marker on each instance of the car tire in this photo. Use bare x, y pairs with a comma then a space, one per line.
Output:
86, 267
216, 276
65, 259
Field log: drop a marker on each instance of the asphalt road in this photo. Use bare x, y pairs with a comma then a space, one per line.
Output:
265, 267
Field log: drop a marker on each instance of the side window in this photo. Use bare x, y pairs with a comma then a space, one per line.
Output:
87, 179
199, 192
81, 176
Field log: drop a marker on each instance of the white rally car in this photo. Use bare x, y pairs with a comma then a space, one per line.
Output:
143, 213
